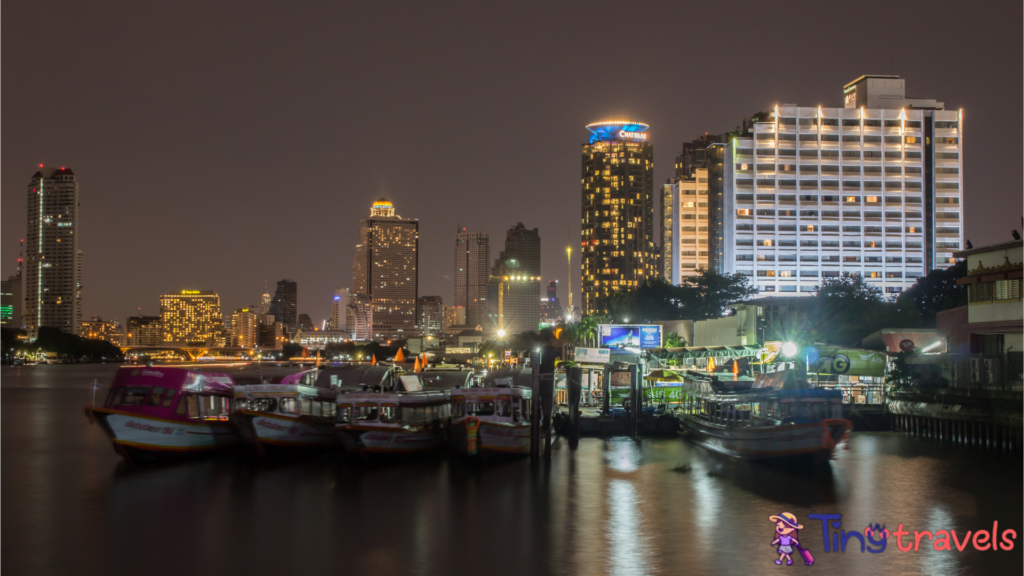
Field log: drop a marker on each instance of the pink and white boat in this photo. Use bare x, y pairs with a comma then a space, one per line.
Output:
159, 411
297, 412
491, 420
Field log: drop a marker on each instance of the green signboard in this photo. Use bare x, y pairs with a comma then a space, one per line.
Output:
664, 394
838, 360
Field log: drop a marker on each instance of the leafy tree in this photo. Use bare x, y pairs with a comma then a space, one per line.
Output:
291, 350
672, 340
937, 291
699, 297
846, 309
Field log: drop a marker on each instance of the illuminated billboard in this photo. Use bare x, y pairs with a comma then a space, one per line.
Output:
629, 336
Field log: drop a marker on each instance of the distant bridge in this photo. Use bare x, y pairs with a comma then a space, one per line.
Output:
194, 352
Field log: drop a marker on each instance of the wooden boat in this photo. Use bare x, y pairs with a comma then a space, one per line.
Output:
403, 419
491, 420
777, 418
151, 413
295, 412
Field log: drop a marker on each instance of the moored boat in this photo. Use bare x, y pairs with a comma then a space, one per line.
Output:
402, 420
295, 412
779, 420
491, 420
155, 412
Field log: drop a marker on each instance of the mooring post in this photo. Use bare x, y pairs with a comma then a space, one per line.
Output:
535, 412
574, 384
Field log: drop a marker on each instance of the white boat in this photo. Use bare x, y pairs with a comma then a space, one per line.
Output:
491, 420
294, 413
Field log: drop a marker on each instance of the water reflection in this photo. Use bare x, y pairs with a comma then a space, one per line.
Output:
620, 506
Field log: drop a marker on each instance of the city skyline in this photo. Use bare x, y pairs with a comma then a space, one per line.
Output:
115, 133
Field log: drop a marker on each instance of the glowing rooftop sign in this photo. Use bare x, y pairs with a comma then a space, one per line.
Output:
610, 130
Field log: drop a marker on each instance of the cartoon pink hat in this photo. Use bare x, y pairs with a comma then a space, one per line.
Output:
788, 519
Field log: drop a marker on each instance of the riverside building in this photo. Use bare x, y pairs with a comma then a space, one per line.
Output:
386, 270
618, 210
53, 287
812, 192
513, 294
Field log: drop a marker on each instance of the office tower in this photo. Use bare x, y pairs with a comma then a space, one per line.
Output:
618, 211
431, 314
53, 266
513, 296
271, 334
11, 301
814, 192
386, 270
684, 226
359, 317
305, 322
191, 317
143, 331
265, 301
244, 328
472, 261
98, 329
284, 305
550, 308
456, 316
338, 307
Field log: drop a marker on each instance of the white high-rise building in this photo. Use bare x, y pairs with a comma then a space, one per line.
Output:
812, 192
684, 226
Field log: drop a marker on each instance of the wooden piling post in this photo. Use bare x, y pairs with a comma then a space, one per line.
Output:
535, 416
574, 386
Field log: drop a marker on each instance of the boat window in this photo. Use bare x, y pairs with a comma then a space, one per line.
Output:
458, 407
329, 408
305, 404
180, 408
193, 406
520, 407
411, 415
263, 404
364, 412
133, 396
168, 398
112, 396
503, 406
388, 413
288, 406
154, 396
479, 407
215, 406
525, 409
344, 413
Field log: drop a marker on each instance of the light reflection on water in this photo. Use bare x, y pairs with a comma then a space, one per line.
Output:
611, 507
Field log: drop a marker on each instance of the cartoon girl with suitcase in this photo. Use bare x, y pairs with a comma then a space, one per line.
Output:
786, 533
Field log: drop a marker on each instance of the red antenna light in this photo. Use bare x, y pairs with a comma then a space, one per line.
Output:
40, 165
61, 167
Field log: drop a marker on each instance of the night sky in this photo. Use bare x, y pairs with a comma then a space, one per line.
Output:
223, 146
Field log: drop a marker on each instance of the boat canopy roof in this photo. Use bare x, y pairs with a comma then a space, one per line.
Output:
355, 376
175, 379
421, 397
783, 384
509, 377
446, 379
504, 390
705, 352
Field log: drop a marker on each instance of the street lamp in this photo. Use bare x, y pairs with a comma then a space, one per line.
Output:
501, 333
789, 349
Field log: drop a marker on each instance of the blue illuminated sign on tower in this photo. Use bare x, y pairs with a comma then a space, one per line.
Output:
624, 130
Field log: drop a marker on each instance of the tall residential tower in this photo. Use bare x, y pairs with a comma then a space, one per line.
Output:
53, 261
472, 261
618, 210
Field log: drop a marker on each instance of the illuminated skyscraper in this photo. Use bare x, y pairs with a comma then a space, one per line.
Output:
245, 329
53, 266
143, 331
472, 261
339, 318
386, 270
431, 315
191, 317
618, 210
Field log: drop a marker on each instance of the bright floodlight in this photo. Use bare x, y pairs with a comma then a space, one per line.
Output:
501, 333
789, 349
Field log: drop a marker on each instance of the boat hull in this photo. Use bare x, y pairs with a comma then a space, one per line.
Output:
814, 439
266, 430
136, 435
494, 438
383, 440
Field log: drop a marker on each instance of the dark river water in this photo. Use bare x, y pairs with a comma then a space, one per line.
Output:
71, 506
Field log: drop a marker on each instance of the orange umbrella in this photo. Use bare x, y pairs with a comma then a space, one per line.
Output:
416, 366
373, 360
399, 357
